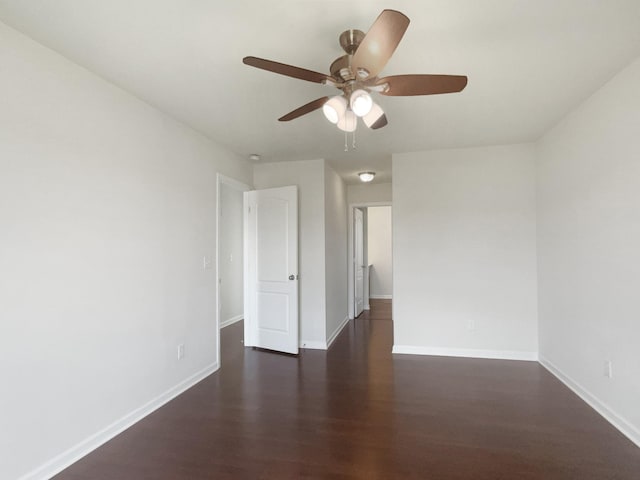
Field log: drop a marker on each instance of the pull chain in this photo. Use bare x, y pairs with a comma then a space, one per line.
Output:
346, 141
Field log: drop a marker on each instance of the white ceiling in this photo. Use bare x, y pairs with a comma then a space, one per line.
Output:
528, 62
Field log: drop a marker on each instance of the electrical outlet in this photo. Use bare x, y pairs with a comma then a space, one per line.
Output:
608, 369
471, 324
181, 351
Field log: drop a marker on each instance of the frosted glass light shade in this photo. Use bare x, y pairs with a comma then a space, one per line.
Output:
366, 176
334, 108
361, 102
348, 122
373, 116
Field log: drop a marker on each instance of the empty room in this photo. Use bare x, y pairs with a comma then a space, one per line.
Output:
314, 239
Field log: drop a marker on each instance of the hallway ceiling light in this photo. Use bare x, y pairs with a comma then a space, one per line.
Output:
366, 176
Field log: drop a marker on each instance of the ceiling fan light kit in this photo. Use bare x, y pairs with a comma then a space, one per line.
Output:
335, 108
348, 123
375, 118
356, 75
361, 102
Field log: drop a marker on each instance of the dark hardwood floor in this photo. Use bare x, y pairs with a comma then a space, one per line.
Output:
359, 412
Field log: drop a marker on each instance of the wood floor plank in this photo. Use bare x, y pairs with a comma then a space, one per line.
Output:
359, 412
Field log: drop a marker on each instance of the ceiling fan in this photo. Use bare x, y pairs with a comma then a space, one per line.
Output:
356, 75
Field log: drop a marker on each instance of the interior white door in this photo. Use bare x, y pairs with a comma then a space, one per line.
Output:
271, 269
358, 260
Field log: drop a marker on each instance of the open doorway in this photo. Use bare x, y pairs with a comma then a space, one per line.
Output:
229, 252
379, 253
370, 267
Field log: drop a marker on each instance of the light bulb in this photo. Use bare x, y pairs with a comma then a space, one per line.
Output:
348, 122
334, 108
361, 102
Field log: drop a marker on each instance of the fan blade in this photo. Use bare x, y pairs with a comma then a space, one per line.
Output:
288, 70
409, 85
379, 43
303, 110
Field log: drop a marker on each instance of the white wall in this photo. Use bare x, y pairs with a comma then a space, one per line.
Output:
369, 192
589, 249
107, 207
230, 254
464, 252
308, 175
335, 252
379, 252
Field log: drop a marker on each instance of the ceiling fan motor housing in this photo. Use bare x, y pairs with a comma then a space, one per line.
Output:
350, 40
341, 67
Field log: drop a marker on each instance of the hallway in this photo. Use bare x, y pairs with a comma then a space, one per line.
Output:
359, 412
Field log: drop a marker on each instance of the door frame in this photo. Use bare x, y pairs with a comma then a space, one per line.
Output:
241, 187
360, 262
351, 253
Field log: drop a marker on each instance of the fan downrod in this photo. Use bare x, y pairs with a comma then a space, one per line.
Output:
341, 67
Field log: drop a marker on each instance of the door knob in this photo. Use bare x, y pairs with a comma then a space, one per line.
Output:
292, 277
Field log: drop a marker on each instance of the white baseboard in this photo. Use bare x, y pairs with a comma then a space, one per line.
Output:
619, 422
335, 334
318, 345
466, 352
75, 453
367, 307
231, 320
313, 344
381, 297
